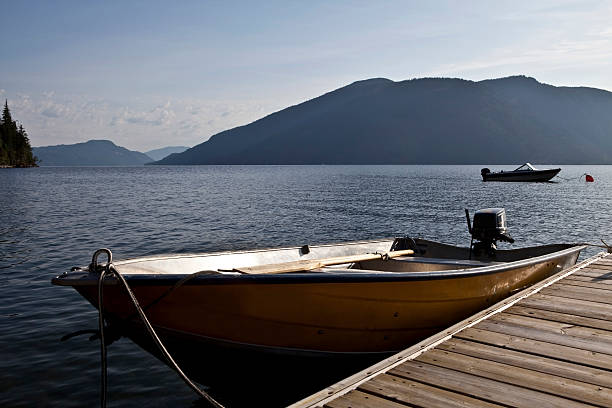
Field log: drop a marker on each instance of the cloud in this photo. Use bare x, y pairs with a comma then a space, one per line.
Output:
194, 110
607, 32
519, 59
52, 118
51, 113
160, 115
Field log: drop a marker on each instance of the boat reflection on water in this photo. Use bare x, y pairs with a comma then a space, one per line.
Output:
236, 377
276, 325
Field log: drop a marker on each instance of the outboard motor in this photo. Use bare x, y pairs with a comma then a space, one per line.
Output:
484, 173
489, 227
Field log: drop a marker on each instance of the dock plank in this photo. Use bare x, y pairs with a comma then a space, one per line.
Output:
578, 307
602, 274
537, 347
526, 360
590, 294
480, 387
598, 265
549, 336
358, 399
519, 376
578, 273
565, 317
588, 277
587, 283
411, 392
601, 265
600, 289
557, 327
604, 268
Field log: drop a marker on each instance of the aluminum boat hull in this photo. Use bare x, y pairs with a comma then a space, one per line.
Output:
376, 307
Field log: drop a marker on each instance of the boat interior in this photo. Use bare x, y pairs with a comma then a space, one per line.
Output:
398, 255
428, 256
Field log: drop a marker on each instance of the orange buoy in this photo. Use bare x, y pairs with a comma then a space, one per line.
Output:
588, 178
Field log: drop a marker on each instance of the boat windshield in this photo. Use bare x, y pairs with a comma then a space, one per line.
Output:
526, 167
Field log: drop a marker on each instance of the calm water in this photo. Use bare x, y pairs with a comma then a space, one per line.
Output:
54, 218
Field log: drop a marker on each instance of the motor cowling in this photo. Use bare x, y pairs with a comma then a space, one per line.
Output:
484, 172
489, 226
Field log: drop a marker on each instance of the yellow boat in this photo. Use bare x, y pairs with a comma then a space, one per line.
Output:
370, 298
303, 317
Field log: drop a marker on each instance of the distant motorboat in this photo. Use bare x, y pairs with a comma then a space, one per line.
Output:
526, 172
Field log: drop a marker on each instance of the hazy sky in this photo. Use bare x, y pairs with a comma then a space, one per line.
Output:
149, 74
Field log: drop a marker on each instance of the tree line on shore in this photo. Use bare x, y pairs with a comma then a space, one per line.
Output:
15, 149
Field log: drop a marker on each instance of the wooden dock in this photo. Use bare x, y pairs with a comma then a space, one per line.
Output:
547, 346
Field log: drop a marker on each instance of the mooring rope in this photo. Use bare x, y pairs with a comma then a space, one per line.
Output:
604, 246
572, 178
173, 288
110, 270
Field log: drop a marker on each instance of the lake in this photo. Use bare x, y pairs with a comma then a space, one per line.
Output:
54, 218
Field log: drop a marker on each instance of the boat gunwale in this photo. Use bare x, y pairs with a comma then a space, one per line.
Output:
511, 172
316, 277
246, 251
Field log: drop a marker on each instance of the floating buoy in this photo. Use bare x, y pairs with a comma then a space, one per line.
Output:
588, 178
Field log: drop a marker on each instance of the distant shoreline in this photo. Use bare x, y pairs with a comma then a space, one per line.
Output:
496, 165
4, 166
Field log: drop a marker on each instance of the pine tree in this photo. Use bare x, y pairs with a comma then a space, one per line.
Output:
15, 149
6, 114
3, 152
24, 150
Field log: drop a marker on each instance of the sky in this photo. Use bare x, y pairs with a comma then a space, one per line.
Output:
149, 74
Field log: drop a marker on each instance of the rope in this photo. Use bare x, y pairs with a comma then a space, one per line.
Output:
173, 288
572, 178
102, 340
604, 246
110, 270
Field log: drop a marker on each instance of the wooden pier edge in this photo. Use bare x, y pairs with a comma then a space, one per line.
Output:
351, 383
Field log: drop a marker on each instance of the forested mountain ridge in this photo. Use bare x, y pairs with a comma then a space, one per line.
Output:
425, 121
90, 153
158, 154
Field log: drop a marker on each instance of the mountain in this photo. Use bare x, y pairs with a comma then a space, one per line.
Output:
421, 121
91, 153
159, 154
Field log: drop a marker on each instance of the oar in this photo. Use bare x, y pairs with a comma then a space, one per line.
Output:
310, 264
